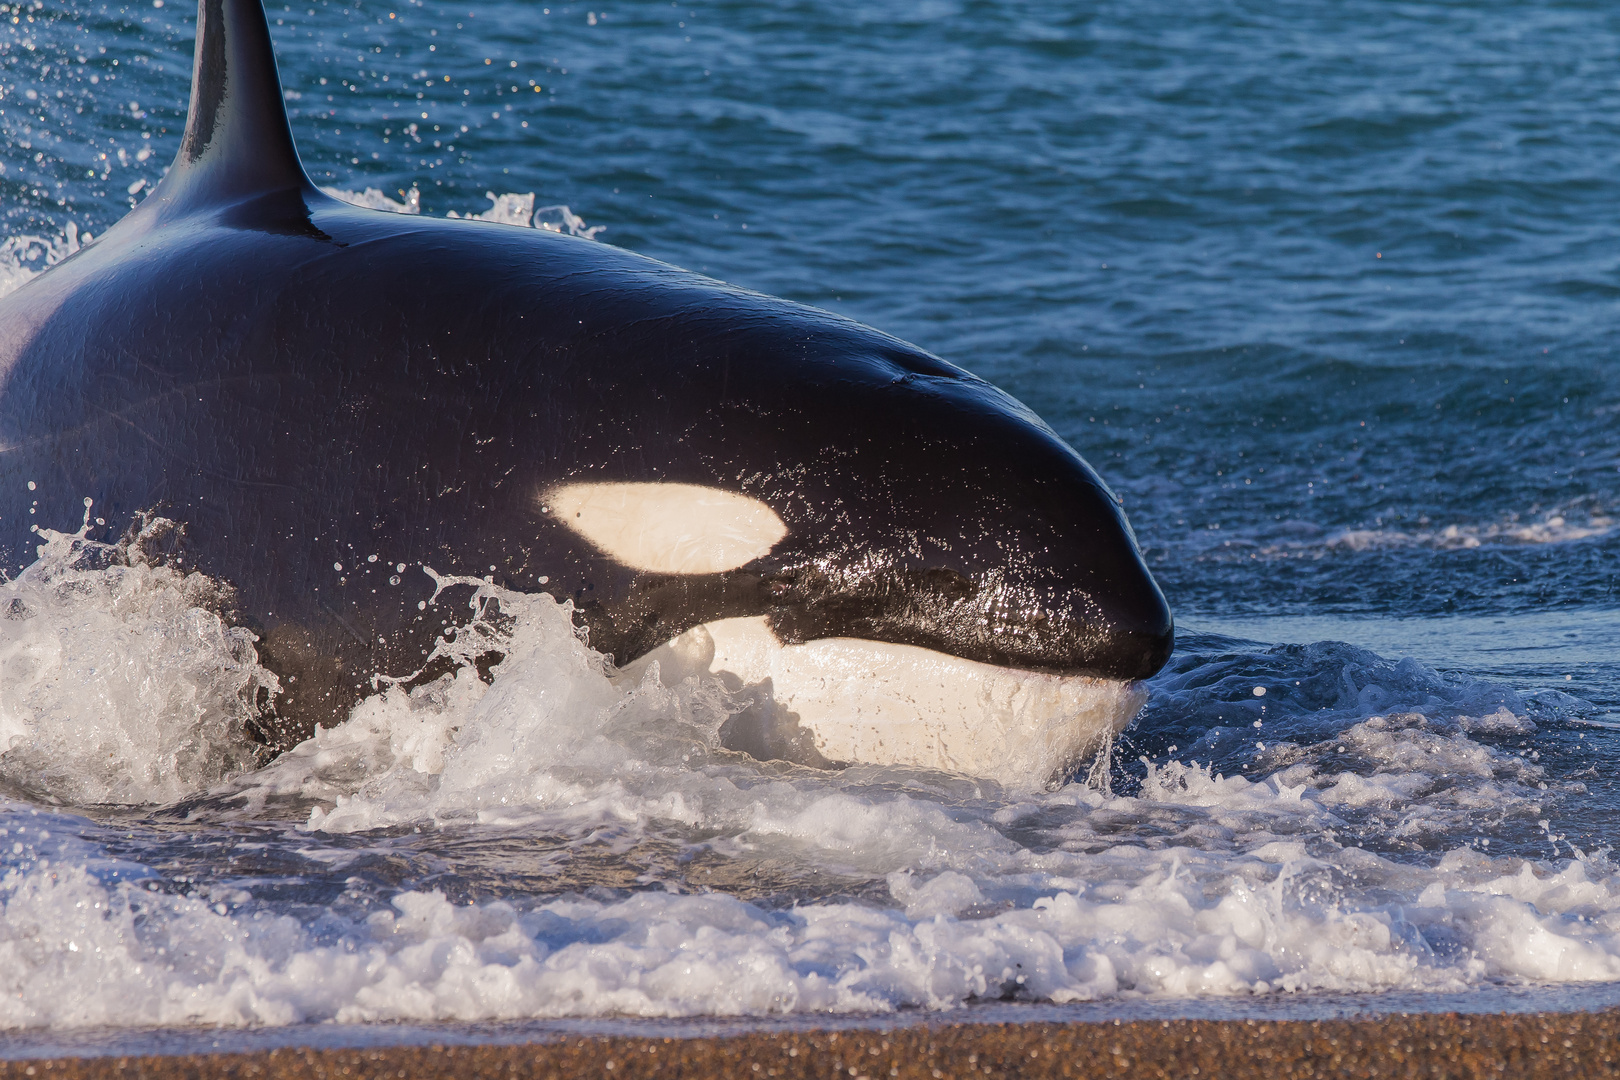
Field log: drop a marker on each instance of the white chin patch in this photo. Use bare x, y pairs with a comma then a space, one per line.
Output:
669, 528
853, 700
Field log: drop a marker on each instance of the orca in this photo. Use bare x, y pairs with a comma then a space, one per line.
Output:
888, 558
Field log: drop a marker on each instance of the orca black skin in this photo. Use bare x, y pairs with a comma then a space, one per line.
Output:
302, 383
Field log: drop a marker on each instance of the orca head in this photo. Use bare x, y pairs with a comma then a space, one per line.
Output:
965, 525
892, 497
881, 518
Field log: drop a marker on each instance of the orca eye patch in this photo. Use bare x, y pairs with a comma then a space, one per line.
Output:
669, 528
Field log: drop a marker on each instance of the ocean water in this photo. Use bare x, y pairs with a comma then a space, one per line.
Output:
1324, 291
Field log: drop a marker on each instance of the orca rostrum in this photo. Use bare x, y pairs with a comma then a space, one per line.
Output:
898, 561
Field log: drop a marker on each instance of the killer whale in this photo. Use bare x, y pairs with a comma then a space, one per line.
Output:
327, 398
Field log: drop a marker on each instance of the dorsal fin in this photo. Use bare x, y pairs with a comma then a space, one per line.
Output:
237, 142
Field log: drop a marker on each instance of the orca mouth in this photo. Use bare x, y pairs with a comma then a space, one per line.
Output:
842, 700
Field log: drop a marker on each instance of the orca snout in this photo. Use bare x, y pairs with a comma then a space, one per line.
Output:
1001, 546
1103, 614
1133, 633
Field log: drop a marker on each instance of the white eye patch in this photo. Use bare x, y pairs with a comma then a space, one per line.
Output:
669, 528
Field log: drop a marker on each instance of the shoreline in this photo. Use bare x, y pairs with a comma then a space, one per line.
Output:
1459, 1045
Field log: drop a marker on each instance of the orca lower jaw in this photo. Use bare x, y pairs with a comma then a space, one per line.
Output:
845, 700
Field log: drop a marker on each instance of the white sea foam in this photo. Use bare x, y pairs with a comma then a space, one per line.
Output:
1176, 921
1556, 526
1550, 528
119, 682
1198, 884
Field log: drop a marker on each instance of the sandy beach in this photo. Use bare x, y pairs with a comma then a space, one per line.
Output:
1424, 1045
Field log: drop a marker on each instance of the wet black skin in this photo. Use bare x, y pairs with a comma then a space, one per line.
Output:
302, 383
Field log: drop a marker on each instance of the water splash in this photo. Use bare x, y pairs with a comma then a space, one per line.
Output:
25, 257
120, 682
519, 210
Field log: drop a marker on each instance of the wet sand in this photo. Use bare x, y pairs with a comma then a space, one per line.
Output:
1420, 1045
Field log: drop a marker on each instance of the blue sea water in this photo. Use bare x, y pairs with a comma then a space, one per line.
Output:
1325, 291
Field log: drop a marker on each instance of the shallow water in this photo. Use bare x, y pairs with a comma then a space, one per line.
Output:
1322, 293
